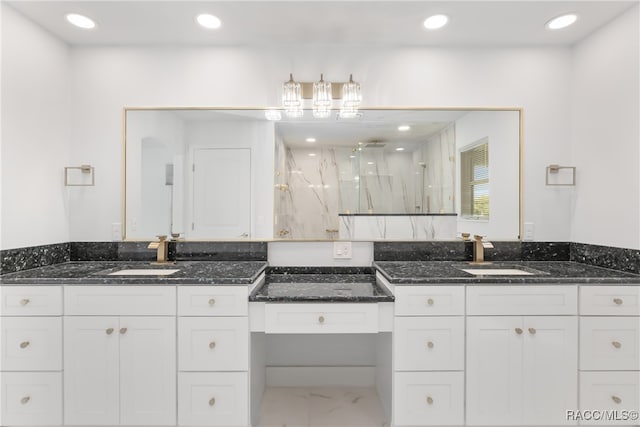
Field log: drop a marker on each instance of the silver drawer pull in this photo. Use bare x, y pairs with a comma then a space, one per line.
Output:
617, 301
430, 301
123, 330
24, 344
212, 301
25, 301
616, 344
429, 400
430, 344
321, 319
212, 345
532, 331
519, 331
109, 331
212, 401
25, 400
616, 399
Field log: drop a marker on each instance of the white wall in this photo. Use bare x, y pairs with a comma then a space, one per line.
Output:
605, 136
35, 134
107, 78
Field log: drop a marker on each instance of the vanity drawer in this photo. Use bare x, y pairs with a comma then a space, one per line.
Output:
610, 300
213, 399
31, 300
213, 300
429, 343
31, 343
609, 343
120, 300
522, 300
429, 300
610, 391
213, 343
31, 399
321, 318
428, 398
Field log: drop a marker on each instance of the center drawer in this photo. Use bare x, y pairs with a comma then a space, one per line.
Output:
321, 318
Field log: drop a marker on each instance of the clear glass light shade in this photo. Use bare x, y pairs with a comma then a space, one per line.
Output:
322, 98
292, 98
351, 95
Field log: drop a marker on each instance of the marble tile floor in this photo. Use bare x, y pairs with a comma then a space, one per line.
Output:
321, 407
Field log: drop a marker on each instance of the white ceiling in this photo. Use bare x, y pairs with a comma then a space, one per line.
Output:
380, 23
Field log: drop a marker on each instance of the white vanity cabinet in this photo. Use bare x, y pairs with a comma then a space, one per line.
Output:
610, 352
213, 356
31, 355
120, 355
521, 370
428, 354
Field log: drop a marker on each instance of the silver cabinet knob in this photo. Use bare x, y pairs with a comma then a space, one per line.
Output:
532, 331
616, 399
212, 345
430, 344
429, 400
617, 301
25, 301
616, 344
321, 319
212, 401
123, 330
109, 331
519, 331
25, 400
430, 301
24, 344
212, 301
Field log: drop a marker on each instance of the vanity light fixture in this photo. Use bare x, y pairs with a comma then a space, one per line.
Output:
322, 98
273, 115
209, 21
292, 98
561, 21
322, 94
351, 99
80, 21
436, 21
404, 128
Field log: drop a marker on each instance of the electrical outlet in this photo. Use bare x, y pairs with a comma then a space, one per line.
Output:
116, 231
528, 232
342, 250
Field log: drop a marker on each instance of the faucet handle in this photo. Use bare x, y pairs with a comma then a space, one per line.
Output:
162, 237
465, 236
478, 237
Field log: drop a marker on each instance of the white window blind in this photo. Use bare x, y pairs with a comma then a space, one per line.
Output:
474, 181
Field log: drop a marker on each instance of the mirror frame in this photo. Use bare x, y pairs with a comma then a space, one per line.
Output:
520, 111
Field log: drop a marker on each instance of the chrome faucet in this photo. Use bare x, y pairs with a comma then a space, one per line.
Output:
162, 247
478, 249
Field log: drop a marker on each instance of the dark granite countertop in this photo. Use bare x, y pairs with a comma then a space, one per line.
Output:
97, 273
543, 272
321, 284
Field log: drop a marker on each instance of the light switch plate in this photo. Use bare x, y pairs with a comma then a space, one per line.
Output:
116, 231
342, 250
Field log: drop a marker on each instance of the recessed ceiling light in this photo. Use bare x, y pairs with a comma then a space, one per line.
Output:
399, 149
352, 157
209, 21
312, 154
370, 163
404, 128
81, 21
561, 21
436, 21
310, 140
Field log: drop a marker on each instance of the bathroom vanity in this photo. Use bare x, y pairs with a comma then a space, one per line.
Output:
522, 343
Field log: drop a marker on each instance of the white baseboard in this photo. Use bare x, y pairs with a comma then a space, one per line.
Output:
321, 376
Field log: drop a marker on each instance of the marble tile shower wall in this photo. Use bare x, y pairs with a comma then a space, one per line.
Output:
315, 184
398, 227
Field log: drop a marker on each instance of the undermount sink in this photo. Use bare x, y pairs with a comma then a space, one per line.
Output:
144, 272
496, 272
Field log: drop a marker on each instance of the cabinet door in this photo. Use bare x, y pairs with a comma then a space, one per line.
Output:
147, 370
550, 369
494, 370
91, 371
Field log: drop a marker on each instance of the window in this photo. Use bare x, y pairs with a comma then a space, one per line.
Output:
474, 180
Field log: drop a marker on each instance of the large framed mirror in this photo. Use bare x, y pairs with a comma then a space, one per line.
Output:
387, 174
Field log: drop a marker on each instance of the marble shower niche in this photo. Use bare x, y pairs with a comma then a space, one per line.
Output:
365, 179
